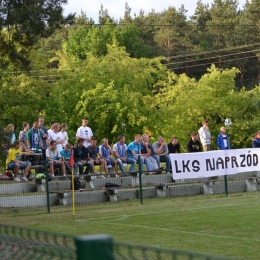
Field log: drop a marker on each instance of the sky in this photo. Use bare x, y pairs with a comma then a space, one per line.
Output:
116, 8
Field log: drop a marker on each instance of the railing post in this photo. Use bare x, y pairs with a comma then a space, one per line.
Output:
47, 185
226, 185
140, 180
96, 247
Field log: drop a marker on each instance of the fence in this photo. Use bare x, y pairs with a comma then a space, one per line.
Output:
43, 193
24, 243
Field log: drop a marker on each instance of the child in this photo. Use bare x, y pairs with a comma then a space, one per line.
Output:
222, 139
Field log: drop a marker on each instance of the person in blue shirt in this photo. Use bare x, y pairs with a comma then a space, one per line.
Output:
65, 154
223, 140
256, 140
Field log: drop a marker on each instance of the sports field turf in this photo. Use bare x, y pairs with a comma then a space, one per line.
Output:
211, 224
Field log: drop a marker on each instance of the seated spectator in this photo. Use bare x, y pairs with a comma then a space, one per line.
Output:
105, 152
256, 140
222, 139
81, 158
65, 154
14, 162
146, 151
54, 159
120, 153
23, 135
174, 146
194, 144
95, 156
34, 138
161, 153
134, 150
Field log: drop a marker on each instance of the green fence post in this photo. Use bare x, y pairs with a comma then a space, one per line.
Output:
226, 186
96, 247
47, 186
140, 181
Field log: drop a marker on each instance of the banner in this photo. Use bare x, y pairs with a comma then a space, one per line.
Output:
214, 163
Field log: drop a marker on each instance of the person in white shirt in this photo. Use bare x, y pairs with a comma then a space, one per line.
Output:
64, 134
56, 136
205, 136
51, 129
84, 132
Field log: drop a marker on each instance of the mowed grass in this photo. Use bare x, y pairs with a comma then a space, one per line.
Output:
213, 224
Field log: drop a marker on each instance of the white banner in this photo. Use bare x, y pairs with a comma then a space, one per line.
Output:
214, 163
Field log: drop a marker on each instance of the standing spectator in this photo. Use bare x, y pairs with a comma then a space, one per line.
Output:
120, 153
194, 144
34, 138
64, 134
15, 162
54, 159
10, 130
95, 156
256, 140
174, 146
161, 153
222, 139
134, 150
23, 135
205, 136
45, 140
105, 152
56, 136
81, 158
84, 132
50, 131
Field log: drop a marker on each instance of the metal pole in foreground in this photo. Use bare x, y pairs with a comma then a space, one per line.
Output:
140, 180
226, 186
47, 185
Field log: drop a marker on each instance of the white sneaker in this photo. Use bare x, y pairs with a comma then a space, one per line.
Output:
109, 166
24, 178
124, 164
16, 179
102, 176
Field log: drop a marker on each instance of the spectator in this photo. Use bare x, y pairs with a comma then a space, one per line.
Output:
23, 135
10, 130
120, 153
81, 158
146, 151
222, 139
56, 136
105, 152
194, 144
134, 150
45, 140
84, 132
174, 146
95, 156
256, 140
15, 163
50, 131
65, 154
54, 159
161, 153
205, 136
63, 133
34, 138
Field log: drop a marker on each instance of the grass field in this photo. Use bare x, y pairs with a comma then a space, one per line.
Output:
210, 224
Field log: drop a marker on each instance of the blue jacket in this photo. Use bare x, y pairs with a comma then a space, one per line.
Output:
220, 142
256, 142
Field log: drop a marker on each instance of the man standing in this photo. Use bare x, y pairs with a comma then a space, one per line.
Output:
34, 138
23, 135
205, 136
84, 132
45, 141
161, 153
120, 153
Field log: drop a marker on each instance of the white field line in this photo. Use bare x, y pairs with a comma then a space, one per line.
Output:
124, 216
114, 221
